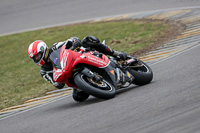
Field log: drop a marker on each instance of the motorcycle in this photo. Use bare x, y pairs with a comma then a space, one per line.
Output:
89, 72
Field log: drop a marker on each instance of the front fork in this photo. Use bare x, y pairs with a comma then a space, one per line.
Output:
91, 74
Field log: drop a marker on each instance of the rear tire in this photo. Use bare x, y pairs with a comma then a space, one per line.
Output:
105, 90
143, 75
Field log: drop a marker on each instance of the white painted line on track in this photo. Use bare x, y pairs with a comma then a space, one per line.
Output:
176, 54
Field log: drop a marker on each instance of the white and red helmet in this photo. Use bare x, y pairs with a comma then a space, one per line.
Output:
38, 47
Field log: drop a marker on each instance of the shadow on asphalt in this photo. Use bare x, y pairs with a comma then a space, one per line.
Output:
71, 104
132, 87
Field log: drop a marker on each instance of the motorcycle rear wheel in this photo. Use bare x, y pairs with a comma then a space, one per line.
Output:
143, 75
103, 89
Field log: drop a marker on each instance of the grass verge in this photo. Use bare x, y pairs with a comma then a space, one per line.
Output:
20, 79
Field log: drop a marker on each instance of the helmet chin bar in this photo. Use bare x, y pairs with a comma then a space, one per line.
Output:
41, 63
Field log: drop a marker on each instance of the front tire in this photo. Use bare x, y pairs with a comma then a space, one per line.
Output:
103, 90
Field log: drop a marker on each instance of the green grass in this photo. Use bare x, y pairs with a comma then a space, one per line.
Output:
20, 79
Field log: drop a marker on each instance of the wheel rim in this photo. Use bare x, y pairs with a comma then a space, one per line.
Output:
142, 69
102, 85
99, 83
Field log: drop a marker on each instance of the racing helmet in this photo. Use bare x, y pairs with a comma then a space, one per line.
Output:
38, 51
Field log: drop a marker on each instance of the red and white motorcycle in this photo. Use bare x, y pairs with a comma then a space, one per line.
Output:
95, 74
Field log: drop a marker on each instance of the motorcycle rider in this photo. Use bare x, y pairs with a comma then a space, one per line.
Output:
39, 52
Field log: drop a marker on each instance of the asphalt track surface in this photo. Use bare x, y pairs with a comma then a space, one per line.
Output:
171, 103
22, 15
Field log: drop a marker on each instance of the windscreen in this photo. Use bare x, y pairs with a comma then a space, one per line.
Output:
55, 58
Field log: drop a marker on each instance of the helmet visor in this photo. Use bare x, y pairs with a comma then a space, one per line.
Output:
37, 57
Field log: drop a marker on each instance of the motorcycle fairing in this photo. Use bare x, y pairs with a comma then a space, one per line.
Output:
64, 62
112, 73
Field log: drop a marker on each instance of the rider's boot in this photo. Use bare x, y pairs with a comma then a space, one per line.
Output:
79, 95
122, 55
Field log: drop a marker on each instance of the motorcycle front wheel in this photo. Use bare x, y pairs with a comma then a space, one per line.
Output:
100, 89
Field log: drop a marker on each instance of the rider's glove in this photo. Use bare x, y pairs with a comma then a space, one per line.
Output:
48, 76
